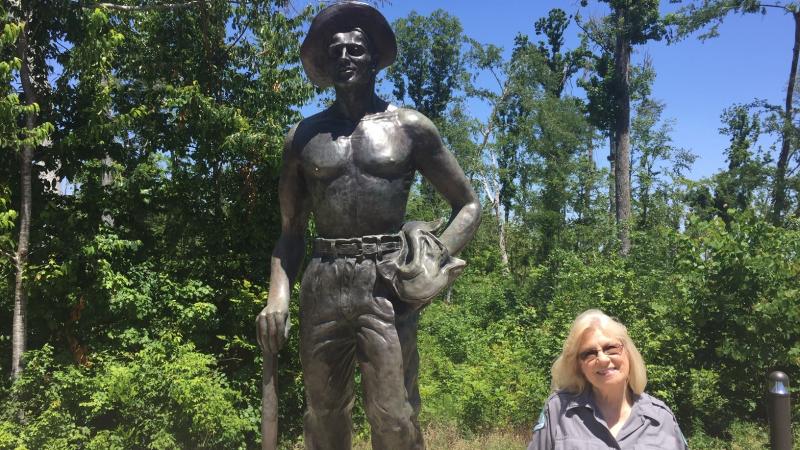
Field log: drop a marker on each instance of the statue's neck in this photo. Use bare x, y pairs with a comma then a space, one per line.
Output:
354, 102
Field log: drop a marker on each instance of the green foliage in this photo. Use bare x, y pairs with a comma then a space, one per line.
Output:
478, 379
693, 17
7, 219
698, 302
12, 135
167, 132
658, 166
10, 108
562, 64
165, 396
738, 187
429, 75
638, 20
430, 65
599, 87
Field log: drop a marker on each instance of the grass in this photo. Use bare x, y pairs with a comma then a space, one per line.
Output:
449, 437
741, 436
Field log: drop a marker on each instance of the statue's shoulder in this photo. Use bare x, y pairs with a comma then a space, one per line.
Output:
313, 122
412, 117
416, 124
303, 131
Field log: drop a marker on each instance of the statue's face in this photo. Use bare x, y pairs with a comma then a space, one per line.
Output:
350, 60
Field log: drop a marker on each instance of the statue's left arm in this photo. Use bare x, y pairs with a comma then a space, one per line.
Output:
440, 168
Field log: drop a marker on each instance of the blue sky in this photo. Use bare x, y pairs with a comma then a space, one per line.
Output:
697, 80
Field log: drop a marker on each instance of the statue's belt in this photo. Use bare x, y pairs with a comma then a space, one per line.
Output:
373, 246
414, 263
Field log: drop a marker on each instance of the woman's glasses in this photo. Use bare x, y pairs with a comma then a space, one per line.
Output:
610, 350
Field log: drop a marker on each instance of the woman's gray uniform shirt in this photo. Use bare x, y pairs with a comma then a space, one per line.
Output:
572, 422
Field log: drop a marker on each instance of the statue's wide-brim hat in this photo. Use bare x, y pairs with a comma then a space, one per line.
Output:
343, 17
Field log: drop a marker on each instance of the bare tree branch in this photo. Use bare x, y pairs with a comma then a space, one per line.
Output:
488, 190
769, 5
245, 27
157, 7
496, 78
591, 35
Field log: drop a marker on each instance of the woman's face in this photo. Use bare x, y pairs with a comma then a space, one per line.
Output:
603, 361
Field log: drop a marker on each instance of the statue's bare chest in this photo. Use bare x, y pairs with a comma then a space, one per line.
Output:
374, 148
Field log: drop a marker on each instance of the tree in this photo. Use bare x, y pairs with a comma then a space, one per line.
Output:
429, 75
709, 15
735, 188
549, 124
657, 165
429, 69
31, 54
190, 104
493, 165
600, 92
632, 23
562, 64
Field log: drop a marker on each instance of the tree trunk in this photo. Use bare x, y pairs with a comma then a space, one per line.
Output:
501, 230
586, 186
779, 193
19, 328
644, 201
612, 151
494, 197
622, 169
503, 250
105, 181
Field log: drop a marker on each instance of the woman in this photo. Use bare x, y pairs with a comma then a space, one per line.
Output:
599, 400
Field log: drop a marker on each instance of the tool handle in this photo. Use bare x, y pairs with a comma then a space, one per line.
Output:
269, 402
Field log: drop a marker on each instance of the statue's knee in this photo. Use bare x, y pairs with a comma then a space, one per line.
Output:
384, 421
329, 409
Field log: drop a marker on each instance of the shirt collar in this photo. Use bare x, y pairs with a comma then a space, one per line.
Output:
641, 404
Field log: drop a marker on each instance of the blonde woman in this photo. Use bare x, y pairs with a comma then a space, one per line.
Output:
599, 400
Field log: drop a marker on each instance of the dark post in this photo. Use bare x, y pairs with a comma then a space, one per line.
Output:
780, 412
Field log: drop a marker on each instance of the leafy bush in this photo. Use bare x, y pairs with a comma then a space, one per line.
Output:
165, 396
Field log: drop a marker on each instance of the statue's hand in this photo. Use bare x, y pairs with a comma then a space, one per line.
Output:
272, 327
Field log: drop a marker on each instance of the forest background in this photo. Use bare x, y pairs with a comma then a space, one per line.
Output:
140, 144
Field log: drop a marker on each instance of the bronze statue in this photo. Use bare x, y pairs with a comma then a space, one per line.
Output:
352, 166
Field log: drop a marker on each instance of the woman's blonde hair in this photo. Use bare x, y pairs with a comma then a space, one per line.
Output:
566, 372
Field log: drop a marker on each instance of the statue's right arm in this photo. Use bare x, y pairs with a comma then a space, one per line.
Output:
272, 321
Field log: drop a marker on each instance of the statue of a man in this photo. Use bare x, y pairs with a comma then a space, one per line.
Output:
352, 166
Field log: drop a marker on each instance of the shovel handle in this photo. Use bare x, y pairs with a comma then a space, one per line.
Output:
269, 402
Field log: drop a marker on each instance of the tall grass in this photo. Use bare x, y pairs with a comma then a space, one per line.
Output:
447, 436
450, 437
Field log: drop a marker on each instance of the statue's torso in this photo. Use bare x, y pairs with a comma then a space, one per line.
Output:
357, 176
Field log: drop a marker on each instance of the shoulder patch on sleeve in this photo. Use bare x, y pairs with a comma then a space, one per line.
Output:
542, 421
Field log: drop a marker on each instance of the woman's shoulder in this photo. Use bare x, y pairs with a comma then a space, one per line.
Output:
661, 415
560, 400
654, 407
559, 397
